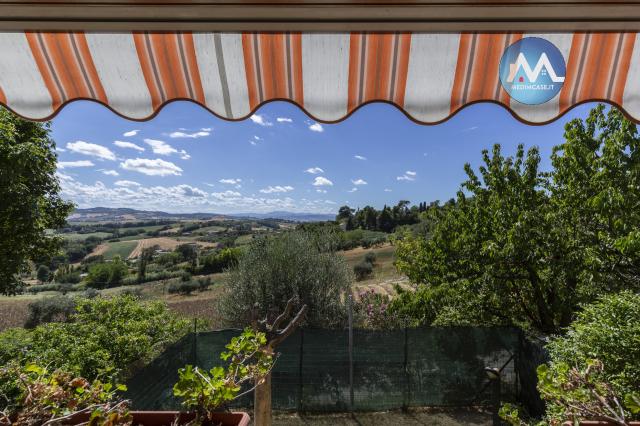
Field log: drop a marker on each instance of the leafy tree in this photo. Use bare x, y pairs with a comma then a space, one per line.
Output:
524, 247
295, 264
344, 213
385, 221
29, 191
145, 257
220, 261
43, 273
110, 274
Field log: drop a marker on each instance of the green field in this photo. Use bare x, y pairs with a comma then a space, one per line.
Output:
207, 229
81, 237
120, 248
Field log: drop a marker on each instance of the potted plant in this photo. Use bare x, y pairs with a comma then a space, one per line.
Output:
204, 392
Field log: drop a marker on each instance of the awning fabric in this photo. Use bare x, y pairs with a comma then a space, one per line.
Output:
428, 76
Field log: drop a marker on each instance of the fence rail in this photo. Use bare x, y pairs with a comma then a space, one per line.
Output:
391, 369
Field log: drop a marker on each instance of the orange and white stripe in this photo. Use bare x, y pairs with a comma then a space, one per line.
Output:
378, 65
430, 76
273, 64
66, 66
477, 76
597, 68
169, 66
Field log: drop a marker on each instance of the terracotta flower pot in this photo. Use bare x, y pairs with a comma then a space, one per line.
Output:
167, 418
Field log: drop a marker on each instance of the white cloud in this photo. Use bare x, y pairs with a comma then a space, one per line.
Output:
321, 191
209, 184
124, 144
130, 133
73, 164
359, 182
261, 120
314, 170
273, 189
230, 181
226, 195
207, 129
190, 191
181, 198
91, 149
184, 155
150, 167
408, 176
110, 173
354, 189
255, 140
126, 183
316, 127
284, 120
160, 147
359, 157
194, 135
322, 181
387, 190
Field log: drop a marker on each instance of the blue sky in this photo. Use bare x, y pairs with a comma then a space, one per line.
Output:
188, 160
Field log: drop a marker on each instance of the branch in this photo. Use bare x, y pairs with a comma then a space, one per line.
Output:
284, 315
290, 328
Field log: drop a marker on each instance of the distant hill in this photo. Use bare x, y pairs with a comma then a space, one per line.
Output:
294, 217
108, 214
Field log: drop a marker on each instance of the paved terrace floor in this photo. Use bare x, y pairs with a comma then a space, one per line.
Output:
448, 417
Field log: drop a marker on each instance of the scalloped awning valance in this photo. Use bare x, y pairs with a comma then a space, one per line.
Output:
429, 76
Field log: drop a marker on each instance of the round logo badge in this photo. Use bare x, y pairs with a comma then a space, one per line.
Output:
532, 70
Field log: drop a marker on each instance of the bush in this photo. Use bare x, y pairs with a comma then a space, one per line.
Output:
43, 273
43, 287
50, 309
295, 264
362, 270
219, 262
372, 311
183, 287
609, 331
370, 257
104, 335
104, 275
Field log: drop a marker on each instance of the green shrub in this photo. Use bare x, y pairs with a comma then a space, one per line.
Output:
50, 309
43, 273
370, 257
104, 336
105, 275
362, 270
220, 261
188, 287
43, 287
296, 264
609, 331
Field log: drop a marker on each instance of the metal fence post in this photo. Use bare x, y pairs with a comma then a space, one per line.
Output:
351, 353
300, 380
407, 390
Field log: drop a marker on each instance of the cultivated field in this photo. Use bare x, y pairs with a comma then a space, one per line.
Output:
162, 242
14, 310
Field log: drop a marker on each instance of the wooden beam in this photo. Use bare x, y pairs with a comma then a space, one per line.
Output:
320, 15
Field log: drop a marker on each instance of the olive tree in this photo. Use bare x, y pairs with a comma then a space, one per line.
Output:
296, 264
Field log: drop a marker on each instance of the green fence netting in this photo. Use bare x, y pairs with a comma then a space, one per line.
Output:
391, 369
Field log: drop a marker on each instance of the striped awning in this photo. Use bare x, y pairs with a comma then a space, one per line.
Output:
428, 76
